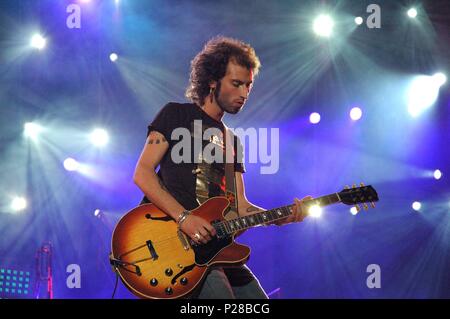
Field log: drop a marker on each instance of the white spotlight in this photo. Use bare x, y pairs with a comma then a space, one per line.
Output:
32, 130
113, 57
439, 79
99, 137
423, 92
412, 13
359, 20
416, 206
437, 174
38, 42
315, 211
18, 204
355, 113
97, 213
353, 210
71, 165
323, 25
314, 118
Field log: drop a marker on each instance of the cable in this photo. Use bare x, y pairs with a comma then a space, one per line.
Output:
115, 286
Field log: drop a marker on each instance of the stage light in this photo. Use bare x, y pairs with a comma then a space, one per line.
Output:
353, 210
113, 57
314, 118
439, 79
18, 204
38, 42
99, 137
355, 113
14, 283
359, 20
32, 130
323, 25
416, 206
97, 213
315, 211
423, 92
71, 165
437, 174
412, 13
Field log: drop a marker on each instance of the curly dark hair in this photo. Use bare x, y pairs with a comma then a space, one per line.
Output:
210, 64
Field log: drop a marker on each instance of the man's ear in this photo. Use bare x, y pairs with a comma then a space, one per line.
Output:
213, 84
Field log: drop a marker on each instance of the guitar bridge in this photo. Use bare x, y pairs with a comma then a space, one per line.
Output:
183, 240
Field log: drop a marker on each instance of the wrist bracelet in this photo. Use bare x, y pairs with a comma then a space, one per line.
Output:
182, 217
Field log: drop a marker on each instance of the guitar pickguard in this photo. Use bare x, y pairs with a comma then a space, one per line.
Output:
206, 252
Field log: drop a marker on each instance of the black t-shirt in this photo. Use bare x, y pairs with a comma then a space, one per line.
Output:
190, 169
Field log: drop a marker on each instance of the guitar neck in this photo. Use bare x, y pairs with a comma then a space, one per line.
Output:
228, 227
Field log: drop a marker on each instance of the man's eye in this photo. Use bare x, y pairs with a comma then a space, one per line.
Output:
236, 84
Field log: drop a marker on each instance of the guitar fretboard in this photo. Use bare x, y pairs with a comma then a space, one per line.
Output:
228, 227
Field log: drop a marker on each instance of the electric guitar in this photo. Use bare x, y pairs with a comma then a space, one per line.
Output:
156, 260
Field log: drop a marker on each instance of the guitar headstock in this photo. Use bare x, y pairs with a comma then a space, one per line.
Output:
359, 195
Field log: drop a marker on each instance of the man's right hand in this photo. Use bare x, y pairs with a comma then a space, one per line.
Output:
198, 229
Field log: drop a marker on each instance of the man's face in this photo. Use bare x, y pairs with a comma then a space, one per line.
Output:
233, 89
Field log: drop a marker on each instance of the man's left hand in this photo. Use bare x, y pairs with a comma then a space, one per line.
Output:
299, 212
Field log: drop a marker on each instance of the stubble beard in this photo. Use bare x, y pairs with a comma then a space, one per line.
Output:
222, 104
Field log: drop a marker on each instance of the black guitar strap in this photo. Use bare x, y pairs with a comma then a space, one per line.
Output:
230, 180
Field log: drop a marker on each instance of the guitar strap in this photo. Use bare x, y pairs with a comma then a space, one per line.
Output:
230, 180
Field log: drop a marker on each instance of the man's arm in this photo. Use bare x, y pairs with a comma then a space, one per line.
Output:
148, 181
246, 208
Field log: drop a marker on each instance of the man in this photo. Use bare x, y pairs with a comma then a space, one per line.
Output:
221, 79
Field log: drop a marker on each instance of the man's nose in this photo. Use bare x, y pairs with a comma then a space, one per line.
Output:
245, 91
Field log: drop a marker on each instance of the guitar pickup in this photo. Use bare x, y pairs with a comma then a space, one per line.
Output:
152, 250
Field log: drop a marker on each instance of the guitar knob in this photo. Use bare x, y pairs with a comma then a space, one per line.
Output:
169, 272
153, 282
169, 291
184, 281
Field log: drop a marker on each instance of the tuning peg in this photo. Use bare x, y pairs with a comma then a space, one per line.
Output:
354, 185
346, 187
358, 209
361, 184
365, 206
372, 204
